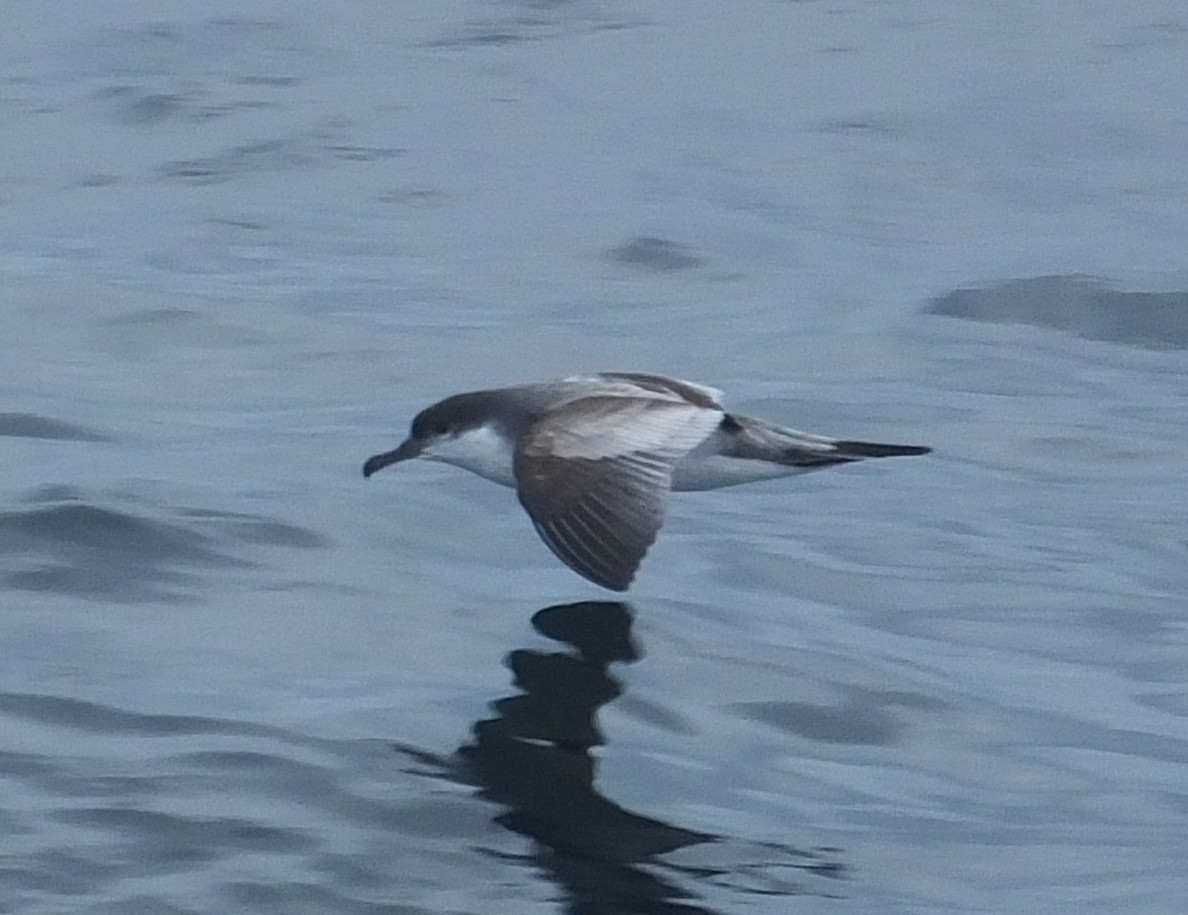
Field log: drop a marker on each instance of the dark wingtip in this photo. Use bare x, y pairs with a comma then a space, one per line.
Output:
619, 579
877, 450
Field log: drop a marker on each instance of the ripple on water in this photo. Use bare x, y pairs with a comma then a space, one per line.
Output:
30, 425
64, 542
1078, 304
244, 813
654, 254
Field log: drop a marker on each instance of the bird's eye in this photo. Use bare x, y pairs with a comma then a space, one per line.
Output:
440, 429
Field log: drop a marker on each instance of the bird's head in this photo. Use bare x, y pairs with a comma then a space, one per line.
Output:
442, 432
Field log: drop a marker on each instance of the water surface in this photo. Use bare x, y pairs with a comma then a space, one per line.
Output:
242, 244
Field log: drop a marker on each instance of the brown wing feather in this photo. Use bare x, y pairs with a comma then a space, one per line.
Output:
594, 477
598, 516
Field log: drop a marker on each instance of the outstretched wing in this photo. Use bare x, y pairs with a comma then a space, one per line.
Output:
594, 476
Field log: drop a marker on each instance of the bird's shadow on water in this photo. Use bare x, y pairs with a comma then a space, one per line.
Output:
533, 759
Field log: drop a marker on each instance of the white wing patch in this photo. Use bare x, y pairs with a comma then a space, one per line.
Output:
617, 426
594, 476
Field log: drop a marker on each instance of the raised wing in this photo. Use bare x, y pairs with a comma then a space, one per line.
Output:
690, 391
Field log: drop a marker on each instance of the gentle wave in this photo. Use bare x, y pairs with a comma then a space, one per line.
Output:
62, 542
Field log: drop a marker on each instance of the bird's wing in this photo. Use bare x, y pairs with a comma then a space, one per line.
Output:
700, 395
594, 476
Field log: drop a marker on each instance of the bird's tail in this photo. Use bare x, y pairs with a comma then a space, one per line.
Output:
756, 438
877, 450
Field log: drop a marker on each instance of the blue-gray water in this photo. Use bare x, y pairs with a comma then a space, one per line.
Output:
241, 244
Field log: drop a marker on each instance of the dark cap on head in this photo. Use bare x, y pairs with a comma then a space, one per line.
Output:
455, 414
446, 417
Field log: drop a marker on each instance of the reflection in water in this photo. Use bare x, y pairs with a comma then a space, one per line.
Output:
534, 760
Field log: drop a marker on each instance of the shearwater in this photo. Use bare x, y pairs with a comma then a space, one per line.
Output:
593, 458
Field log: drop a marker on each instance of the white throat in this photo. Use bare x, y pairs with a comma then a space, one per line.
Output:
481, 450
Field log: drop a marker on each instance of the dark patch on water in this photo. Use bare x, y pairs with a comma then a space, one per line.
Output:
96, 552
863, 718
541, 20
99, 180
656, 254
30, 425
54, 492
874, 127
480, 35
93, 526
153, 108
266, 156
96, 582
137, 107
251, 528
849, 723
1077, 304
66, 545
271, 156
95, 718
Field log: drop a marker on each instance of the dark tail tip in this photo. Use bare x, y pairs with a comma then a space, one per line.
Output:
876, 450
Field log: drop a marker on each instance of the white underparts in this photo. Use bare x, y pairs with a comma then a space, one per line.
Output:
485, 452
713, 471
481, 450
